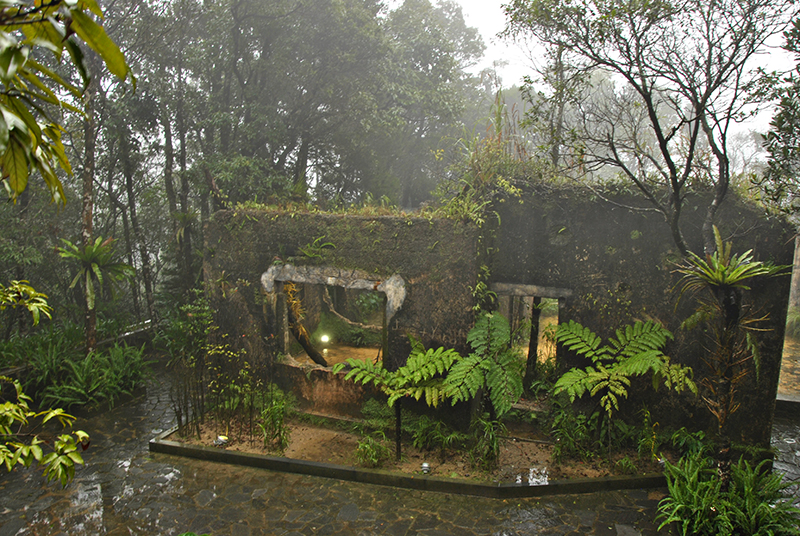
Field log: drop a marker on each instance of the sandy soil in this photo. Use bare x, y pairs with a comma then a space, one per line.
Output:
519, 453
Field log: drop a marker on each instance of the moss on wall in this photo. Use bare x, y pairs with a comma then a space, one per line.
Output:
617, 262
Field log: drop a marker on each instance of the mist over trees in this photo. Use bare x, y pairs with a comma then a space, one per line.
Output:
331, 102
340, 103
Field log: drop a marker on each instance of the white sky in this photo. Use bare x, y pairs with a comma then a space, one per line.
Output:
488, 17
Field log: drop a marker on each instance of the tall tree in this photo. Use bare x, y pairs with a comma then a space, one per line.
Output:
686, 76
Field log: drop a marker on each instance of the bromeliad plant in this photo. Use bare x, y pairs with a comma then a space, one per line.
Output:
718, 282
95, 263
635, 351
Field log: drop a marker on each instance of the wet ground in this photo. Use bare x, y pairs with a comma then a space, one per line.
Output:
125, 490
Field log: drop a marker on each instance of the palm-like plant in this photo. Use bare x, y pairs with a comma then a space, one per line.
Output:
718, 281
96, 262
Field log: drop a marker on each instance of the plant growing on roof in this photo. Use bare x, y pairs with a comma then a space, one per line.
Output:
718, 281
635, 351
422, 377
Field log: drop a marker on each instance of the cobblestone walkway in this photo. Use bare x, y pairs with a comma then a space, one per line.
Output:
125, 490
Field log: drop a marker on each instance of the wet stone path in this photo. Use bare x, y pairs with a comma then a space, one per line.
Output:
126, 490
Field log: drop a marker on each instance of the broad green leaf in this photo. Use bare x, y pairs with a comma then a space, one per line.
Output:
95, 36
3, 134
15, 166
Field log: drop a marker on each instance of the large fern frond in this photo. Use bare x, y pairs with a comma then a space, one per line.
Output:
504, 387
640, 337
491, 334
466, 377
581, 340
366, 372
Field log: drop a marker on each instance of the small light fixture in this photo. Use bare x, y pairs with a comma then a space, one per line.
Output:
325, 339
426, 468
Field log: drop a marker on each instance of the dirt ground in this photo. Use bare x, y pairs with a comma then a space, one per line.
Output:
520, 452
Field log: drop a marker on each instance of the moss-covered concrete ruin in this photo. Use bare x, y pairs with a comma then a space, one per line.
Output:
607, 263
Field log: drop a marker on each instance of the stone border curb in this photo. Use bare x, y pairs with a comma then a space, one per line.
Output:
384, 478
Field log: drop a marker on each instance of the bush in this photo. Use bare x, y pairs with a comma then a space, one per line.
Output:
430, 434
101, 376
273, 425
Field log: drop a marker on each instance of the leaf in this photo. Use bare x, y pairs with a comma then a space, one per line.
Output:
95, 36
15, 166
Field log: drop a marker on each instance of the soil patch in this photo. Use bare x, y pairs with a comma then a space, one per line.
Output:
520, 452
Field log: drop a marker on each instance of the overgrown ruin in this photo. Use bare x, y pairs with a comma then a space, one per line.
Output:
606, 263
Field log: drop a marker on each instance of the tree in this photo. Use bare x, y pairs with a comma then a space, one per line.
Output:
780, 183
683, 76
29, 137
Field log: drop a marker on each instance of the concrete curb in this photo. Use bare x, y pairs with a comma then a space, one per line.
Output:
162, 445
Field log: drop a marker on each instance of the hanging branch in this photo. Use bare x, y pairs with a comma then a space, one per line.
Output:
326, 297
295, 313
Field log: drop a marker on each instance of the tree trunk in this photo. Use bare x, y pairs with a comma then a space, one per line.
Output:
87, 208
302, 337
139, 236
533, 347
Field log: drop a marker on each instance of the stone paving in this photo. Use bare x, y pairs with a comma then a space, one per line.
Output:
125, 490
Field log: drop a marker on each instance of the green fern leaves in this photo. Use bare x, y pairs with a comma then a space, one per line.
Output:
420, 377
493, 366
635, 351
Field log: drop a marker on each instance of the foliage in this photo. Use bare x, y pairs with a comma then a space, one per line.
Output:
690, 442
755, 503
717, 282
485, 450
779, 184
316, 249
635, 351
493, 367
274, 428
372, 450
21, 294
21, 444
95, 262
89, 380
431, 434
420, 377
29, 139
184, 336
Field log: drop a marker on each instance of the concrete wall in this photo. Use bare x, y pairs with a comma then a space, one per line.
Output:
610, 265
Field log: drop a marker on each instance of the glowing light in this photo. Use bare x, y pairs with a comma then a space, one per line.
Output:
325, 339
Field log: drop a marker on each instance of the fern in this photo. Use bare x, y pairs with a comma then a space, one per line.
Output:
635, 351
492, 366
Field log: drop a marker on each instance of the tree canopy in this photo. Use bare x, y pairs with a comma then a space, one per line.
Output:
680, 76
